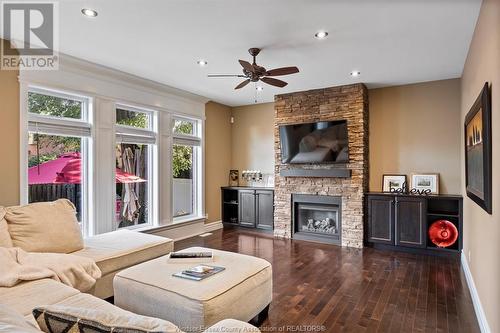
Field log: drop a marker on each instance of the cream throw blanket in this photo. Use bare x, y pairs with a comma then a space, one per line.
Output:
17, 265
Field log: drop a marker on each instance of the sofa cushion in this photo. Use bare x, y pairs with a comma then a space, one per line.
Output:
114, 251
5, 240
13, 322
61, 319
45, 227
27, 295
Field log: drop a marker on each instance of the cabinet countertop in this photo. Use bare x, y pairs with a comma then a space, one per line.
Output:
247, 188
451, 196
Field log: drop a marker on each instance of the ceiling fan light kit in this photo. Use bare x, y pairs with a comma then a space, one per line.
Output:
254, 73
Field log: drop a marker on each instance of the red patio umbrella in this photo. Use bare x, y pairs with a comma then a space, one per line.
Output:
67, 169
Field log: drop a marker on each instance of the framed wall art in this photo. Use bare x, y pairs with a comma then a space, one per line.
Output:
234, 178
393, 183
477, 130
425, 183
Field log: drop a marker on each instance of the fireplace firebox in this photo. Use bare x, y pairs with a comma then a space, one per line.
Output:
317, 218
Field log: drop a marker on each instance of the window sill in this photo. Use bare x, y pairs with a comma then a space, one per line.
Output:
189, 218
175, 224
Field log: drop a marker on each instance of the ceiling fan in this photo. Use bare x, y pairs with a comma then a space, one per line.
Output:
253, 72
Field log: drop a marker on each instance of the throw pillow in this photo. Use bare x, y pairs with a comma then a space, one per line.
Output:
59, 319
13, 322
5, 240
45, 227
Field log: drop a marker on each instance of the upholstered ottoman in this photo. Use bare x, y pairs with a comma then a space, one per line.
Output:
242, 291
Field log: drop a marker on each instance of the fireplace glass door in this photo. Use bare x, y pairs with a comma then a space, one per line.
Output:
319, 219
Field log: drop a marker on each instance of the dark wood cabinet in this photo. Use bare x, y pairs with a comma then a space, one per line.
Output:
248, 207
265, 209
402, 220
409, 221
381, 213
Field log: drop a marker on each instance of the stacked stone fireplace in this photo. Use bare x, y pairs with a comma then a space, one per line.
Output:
338, 217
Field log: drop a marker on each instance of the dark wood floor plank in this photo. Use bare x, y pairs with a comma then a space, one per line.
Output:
351, 290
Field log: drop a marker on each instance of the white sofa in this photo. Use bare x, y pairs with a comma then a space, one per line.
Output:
115, 251
52, 227
112, 253
24, 297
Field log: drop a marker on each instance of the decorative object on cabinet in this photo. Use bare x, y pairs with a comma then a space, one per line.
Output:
234, 178
477, 129
391, 183
402, 221
443, 233
252, 177
427, 183
269, 180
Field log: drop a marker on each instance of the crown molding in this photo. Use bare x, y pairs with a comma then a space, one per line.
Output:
80, 66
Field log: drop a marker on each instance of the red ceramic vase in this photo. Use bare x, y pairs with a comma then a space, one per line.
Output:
443, 233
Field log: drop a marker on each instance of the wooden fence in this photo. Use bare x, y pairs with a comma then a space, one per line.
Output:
51, 192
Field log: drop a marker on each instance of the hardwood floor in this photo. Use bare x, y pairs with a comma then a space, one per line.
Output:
336, 289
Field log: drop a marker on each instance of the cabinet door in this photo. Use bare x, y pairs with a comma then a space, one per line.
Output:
247, 208
265, 209
380, 220
410, 222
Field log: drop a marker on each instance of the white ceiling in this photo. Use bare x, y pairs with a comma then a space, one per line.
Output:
390, 42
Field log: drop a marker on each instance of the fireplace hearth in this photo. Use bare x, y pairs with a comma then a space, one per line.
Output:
317, 218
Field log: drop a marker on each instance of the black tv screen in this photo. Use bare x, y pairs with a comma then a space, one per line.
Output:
321, 142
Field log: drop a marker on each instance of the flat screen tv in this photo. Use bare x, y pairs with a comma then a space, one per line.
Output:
320, 142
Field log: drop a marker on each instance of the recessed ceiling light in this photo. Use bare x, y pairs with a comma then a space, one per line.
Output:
202, 62
355, 73
89, 12
260, 88
321, 34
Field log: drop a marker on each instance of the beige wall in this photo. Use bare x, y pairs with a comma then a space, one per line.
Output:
481, 230
9, 137
217, 156
411, 127
416, 128
253, 138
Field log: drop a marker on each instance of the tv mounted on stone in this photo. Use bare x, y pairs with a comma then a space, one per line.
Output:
314, 143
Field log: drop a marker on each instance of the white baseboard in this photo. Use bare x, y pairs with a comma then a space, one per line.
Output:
212, 226
481, 316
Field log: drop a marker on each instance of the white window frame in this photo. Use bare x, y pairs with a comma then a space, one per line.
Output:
146, 136
196, 141
59, 126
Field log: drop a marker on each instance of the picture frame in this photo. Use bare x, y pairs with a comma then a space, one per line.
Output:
393, 183
425, 182
234, 178
478, 151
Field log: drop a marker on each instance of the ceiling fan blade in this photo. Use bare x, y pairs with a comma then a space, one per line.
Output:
246, 65
225, 75
274, 82
242, 84
282, 71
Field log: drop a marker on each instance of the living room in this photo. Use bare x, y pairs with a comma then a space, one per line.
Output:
332, 164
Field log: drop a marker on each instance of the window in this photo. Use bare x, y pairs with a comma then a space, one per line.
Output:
186, 167
133, 118
58, 145
135, 148
42, 104
73, 145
